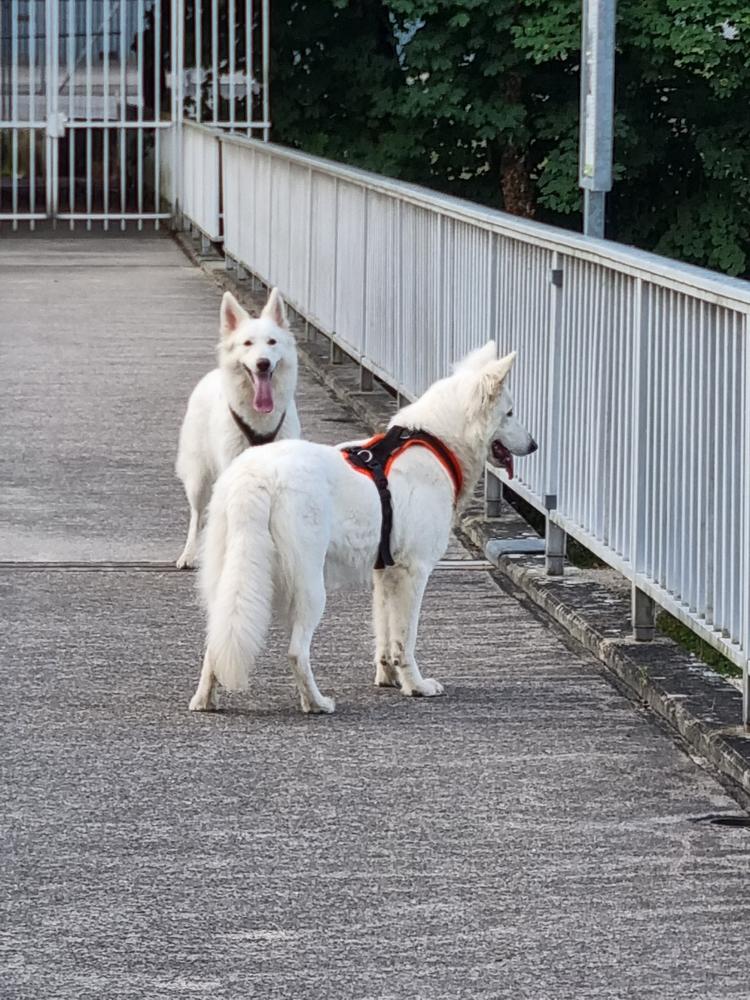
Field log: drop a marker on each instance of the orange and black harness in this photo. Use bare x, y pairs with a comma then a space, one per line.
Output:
375, 457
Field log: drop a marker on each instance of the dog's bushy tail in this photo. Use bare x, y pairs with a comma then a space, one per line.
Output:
237, 578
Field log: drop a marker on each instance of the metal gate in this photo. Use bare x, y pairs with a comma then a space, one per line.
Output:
93, 94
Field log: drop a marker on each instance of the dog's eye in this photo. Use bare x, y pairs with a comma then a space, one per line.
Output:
248, 343
271, 342
510, 413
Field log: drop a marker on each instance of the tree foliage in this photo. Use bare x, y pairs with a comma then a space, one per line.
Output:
480, 98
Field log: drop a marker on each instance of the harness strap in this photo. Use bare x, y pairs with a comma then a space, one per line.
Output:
253, 438
375, 457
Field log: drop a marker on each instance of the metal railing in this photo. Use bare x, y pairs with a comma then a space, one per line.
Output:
201, 179
633, 374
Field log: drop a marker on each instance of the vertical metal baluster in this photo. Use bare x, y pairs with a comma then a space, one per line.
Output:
309, 238
365, 375
733, 477
701, 480
693, 375
581, 397
249, 14
688, 508
675, 497
745, 520
232, 14
123, 117
157, 110
198, 26
89, 114
105, 115
661, 427
618, 383
722, 442
3, 112
644, 609
179, 66
215, 58
719, 389
72, 133
266, 59
684, 421
48, 87
32, 112
139, 98
14, 71
174, 13
53, 108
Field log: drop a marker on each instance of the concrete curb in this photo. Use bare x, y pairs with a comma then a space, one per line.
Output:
695, 702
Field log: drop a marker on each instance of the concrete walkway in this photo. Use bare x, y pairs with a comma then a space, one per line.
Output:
528, 836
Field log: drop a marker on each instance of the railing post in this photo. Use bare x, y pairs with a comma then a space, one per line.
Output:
493, 495
644, 615
366, 379
554, 548
555, 537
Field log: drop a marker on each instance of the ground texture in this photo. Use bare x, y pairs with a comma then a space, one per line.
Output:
530, 835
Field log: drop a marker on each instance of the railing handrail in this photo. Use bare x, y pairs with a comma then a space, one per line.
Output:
635, 366
687, 278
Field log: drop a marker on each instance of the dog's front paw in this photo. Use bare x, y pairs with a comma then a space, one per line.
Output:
185, 561
201, 702
426, 688
323, 707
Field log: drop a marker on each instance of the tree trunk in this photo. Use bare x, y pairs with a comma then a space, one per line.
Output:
519, 196
516, 184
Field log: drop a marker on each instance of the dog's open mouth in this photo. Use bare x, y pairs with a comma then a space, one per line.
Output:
262, 390
503, 457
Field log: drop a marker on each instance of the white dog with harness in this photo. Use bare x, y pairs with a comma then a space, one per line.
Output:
290, 519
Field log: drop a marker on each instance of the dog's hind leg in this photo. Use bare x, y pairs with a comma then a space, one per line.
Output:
308, 603
197, 490
203, 699
404, 593
385, 675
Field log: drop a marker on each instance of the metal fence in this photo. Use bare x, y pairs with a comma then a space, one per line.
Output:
633, 374
94, 94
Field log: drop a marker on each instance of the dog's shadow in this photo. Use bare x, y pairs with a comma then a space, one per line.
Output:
375, 710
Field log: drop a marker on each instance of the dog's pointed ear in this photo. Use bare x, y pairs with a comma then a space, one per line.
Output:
493, 376
232, 314
477, 359
275, 309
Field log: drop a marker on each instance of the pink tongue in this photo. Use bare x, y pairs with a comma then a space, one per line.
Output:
263, 401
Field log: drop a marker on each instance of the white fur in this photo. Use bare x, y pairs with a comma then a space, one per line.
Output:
289, 522
210, 438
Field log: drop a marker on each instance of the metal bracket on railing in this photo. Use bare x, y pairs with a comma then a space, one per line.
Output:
556, 276
550, 501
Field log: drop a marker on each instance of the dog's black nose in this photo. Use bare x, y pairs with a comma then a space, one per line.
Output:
533, 447
262, 364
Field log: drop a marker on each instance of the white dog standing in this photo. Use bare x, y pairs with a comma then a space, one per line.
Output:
289, 520
248, 400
